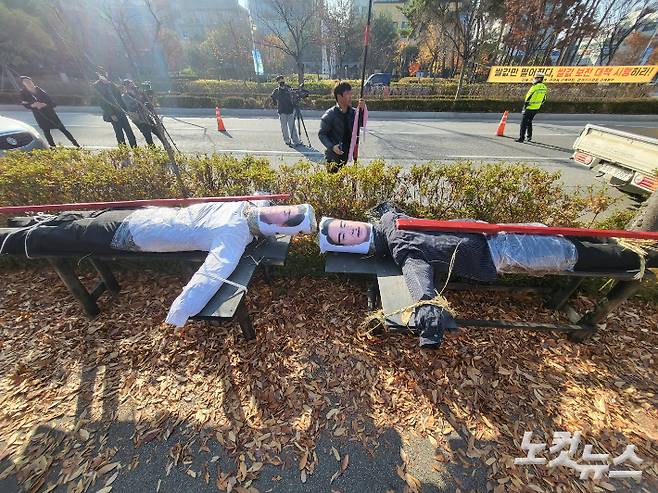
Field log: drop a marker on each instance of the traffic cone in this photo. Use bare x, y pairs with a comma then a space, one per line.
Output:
501, 126
220, 122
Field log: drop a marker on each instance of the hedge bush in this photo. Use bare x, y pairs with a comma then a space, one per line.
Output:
491, 192
437, 103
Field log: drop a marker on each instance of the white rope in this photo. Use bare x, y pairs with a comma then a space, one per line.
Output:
240, 287
40, 219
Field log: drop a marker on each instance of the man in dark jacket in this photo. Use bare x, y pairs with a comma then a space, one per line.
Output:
336, 127
139, 108
286, 109
43, 108
114, 110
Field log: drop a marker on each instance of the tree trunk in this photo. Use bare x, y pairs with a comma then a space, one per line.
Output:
300, 72
461, 81
646, 218
499, 42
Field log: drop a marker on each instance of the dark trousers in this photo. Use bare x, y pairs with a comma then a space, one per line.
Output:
335, 165
51, 141
148, 131
605, 255
121, 126
526, 123
334, 161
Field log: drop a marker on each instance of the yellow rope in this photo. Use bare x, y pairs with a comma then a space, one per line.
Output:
407, 311
641, 248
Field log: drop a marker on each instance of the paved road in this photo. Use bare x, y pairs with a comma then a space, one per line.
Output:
400, 137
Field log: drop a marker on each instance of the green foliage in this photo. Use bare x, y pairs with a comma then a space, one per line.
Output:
65, 175
24, 40
628, 107
618, 220
491, 192
383, 43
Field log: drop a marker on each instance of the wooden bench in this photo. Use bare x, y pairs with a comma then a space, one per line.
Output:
387, 288
226, 304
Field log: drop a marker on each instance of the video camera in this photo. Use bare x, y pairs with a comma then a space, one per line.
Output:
296, 95
146, 88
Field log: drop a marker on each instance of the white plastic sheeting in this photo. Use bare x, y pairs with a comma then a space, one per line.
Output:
531, 254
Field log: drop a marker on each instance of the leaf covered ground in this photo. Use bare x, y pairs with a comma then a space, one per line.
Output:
283, 413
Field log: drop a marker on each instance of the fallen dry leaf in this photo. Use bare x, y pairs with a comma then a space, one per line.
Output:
303, 461
107, 468
111, 479
310, 372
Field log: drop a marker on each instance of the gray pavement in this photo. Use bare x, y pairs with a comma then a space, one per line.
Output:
399, 137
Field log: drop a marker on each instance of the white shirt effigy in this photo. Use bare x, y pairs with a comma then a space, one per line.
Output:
221, 229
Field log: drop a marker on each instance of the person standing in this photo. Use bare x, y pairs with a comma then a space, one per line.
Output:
139, 109
114, 108
534, 99
336, 127
43, 108
286, 110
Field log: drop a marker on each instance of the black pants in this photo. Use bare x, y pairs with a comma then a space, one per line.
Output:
148, 131
121, 126
334, 161
597, 255
51, 141
526, 124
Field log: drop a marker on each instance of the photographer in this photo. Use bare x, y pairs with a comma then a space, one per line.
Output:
286, 108
336, 127
139, 108
114, 110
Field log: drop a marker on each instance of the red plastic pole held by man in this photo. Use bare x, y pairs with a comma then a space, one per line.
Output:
15, 209
485, 228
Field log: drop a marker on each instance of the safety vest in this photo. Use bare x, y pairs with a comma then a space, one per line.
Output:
536, 96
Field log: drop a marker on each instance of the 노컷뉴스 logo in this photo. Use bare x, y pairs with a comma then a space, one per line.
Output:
591, 465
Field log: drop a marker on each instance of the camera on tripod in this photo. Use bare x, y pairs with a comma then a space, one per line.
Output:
296, 95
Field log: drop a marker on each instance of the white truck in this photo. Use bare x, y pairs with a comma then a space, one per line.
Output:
628, 156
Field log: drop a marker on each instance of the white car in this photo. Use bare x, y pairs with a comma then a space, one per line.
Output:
19, 136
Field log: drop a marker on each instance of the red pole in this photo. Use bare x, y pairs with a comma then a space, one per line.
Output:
15, 209
485, 228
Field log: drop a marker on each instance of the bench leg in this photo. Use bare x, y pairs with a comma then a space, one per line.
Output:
561, 296
75, 287
245, 321
106, 275
267, 274
619, 293
373, 291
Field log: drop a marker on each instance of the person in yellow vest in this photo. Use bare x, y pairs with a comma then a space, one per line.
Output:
533, 101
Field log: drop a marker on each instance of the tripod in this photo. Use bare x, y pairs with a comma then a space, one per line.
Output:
301, 124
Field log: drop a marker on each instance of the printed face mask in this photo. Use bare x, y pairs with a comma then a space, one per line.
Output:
340, 235
286, 219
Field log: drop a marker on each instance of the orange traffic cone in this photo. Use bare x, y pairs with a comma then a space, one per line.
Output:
220, 122
501, 126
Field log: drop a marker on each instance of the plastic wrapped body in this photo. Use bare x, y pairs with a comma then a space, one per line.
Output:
531, 254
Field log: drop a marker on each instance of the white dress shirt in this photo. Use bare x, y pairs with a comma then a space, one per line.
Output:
221, 229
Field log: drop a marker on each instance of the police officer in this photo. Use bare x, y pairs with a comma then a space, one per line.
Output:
533, 101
